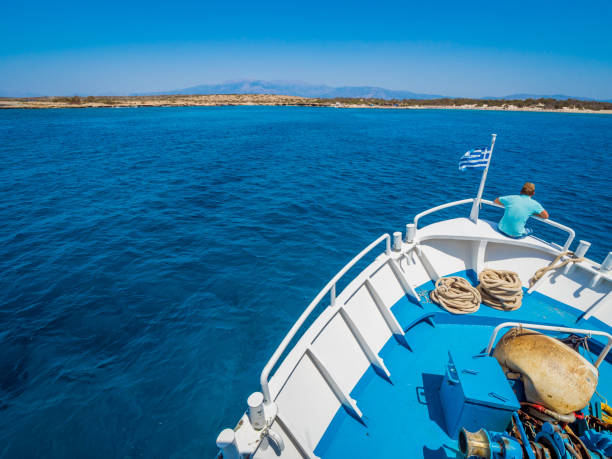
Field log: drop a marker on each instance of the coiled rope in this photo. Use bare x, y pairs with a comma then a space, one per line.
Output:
555, 265
456, 295
500, 289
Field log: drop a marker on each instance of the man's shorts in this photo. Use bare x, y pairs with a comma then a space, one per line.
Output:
527, 232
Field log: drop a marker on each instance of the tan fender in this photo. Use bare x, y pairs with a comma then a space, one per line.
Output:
554, 375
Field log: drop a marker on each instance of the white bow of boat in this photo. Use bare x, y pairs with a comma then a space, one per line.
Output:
365, 355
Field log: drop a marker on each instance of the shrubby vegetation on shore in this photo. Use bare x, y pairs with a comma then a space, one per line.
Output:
269, 99
543, 103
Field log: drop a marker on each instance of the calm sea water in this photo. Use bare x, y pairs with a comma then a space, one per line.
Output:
152, 259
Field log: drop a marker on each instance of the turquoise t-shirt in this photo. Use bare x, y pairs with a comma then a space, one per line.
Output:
518, 209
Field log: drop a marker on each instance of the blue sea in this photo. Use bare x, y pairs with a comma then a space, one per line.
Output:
152, 259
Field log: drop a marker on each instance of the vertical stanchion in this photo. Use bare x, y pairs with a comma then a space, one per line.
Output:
476, 205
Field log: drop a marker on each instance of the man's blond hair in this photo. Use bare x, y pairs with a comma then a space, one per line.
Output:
528, 189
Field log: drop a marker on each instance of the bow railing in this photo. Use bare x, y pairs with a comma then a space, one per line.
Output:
571, 233
329, 288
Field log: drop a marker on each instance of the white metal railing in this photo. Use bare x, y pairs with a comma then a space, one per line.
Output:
567, 229
329, 288
582, 331
437, 208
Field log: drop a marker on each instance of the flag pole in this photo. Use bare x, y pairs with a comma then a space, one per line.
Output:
476, 204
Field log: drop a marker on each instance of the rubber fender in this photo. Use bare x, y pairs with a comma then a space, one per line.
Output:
554, 375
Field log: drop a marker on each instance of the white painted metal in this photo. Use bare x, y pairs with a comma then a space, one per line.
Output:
373, 358
397, 241
387, 284
446, 255
479, 256
603, 303
275, 441
306, 452
317, 375
571, 233
431, 271
581, 250
483, 180
343, 397
437, 208
255, 410
581, 331
226, 442
408, 289
331, 285
338, 350
308, 402
385, 312
410, 232
365, 313
607, 264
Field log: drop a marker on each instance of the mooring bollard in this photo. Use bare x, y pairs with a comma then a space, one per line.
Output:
397, 241
410, 232
256, 412
581, 250
226, 442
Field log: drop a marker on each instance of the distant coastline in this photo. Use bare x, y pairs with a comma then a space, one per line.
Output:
532, 105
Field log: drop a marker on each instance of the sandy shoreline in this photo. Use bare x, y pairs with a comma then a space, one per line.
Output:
258, 99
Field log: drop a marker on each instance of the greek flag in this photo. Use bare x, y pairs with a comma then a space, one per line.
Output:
475, 159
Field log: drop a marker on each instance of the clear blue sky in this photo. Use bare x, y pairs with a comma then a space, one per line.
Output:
470, 49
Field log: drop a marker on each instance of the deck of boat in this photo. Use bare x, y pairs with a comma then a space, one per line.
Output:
362, 377
403, 416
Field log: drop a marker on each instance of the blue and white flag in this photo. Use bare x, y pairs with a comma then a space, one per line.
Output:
475, 159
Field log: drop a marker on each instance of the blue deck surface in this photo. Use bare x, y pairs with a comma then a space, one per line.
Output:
404, 416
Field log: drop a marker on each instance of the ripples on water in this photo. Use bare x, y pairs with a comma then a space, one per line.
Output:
152, 259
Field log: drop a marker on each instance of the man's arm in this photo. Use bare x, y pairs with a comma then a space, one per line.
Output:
497, 201
543, 214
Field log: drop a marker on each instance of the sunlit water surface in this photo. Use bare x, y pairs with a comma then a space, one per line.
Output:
152, 259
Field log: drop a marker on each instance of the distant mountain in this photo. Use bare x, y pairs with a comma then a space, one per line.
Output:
540, 96
303, 89
296, 88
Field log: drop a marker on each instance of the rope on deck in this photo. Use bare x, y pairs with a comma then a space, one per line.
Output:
500, 289
555, 265
456, 295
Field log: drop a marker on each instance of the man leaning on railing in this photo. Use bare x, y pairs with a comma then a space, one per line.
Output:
517, 210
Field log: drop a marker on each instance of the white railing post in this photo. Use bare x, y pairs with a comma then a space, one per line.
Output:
483, 180
363, 343
606, 265
345, 399
332, 295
